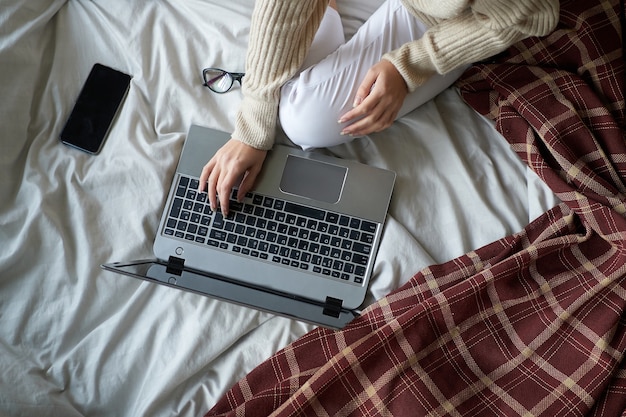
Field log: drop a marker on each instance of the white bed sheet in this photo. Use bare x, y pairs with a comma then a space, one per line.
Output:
76, 340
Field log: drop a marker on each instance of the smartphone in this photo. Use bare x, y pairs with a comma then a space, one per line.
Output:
95, 109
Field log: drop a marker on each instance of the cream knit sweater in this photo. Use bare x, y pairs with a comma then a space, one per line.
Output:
460, 32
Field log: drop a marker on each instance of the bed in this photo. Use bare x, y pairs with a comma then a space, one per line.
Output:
471, 203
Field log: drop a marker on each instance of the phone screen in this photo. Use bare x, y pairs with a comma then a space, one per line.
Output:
96, 107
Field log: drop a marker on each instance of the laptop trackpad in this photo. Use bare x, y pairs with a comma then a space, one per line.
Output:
313, 179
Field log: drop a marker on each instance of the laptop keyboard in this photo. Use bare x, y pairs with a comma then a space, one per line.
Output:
275, 230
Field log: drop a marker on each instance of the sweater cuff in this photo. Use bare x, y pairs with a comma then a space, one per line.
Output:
255, 123
413, 63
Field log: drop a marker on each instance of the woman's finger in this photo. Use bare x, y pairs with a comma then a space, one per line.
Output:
212, 188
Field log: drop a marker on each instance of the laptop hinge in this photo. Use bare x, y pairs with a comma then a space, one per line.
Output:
332, 307
175, 266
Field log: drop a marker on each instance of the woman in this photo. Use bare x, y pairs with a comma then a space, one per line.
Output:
327, 91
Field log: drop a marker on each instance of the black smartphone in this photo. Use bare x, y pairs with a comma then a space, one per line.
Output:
97, 104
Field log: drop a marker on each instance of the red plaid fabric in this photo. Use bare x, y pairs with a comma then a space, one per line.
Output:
530, 325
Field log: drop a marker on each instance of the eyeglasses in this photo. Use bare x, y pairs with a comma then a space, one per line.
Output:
220, 81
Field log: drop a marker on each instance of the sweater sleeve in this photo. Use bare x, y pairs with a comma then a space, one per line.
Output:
281, 33
485, 29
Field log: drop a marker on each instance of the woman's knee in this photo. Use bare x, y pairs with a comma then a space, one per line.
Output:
311, 124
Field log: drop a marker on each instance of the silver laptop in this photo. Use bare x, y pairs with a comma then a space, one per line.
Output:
302, 244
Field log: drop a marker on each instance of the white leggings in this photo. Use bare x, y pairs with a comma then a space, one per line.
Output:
312, 102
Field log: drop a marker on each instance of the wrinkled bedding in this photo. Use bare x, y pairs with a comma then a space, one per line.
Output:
76, 340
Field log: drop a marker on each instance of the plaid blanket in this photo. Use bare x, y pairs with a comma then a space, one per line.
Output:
533, 324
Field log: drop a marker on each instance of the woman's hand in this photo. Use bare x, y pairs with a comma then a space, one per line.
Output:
378, 101
234, 164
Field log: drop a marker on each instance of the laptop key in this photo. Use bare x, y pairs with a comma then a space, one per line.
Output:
218, 221
268, 202
361, 248
235, 206
218, 235
368, 226
305, 211
367, 238
332, 217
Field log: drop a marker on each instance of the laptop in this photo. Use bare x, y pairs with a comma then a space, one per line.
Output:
302, 244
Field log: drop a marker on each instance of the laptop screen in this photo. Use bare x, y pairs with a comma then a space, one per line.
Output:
160, 272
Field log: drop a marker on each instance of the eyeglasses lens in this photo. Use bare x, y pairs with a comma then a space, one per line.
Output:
218, 81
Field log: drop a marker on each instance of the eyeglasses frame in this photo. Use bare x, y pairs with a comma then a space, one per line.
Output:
234, 76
